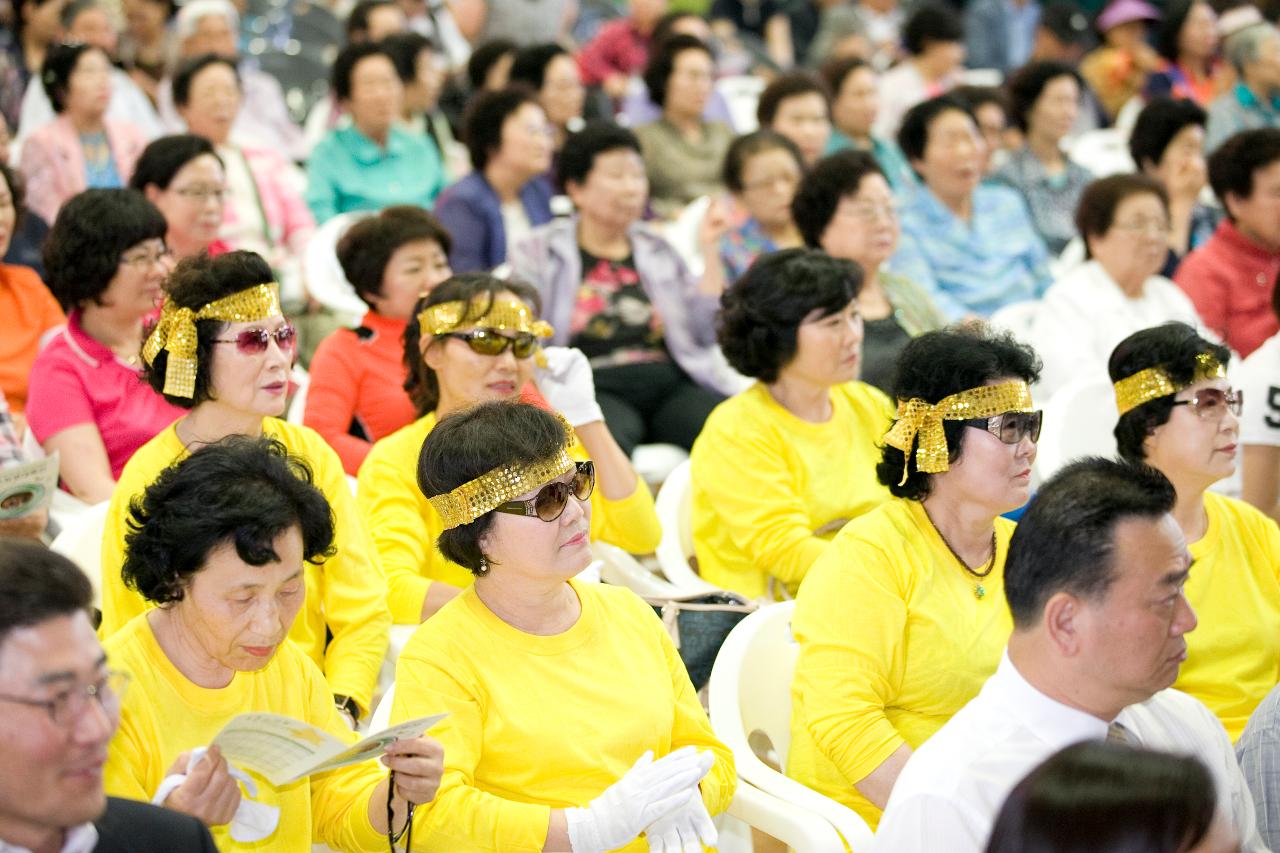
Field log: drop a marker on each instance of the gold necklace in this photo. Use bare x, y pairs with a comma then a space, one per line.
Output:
979, 589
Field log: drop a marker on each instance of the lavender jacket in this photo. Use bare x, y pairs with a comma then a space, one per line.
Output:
549, 260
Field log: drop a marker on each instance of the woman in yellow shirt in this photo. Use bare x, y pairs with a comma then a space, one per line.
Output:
903, 617
1179, 414
779, 468
219, 543
572, 722
223, 350
474, 339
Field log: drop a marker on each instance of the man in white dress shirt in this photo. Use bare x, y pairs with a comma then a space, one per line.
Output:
1094, 582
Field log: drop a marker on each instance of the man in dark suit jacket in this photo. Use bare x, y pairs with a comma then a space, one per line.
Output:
61, 707
132, 827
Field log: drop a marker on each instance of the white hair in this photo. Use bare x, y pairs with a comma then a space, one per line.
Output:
191, 13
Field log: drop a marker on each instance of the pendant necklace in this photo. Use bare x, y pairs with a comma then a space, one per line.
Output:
979, 589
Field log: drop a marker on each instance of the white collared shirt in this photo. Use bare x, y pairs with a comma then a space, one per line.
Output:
80, 839
953, 786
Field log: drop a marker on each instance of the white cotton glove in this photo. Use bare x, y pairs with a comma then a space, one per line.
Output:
569, 386
686, 830
648, 791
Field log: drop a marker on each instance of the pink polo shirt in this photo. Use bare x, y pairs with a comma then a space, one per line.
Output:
77, 380
1229, 279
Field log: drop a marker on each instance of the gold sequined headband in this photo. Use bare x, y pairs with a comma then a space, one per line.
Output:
505, 313
1154, 383
473, 499
176, 331
916, 417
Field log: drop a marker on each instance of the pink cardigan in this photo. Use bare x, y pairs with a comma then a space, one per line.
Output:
53, 162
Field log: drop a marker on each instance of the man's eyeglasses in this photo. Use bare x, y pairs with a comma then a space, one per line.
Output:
254, 341
489, 342
70, 704
1212, 404
1011, 427
549, 503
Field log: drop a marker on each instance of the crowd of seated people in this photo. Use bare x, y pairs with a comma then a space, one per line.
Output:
373, 408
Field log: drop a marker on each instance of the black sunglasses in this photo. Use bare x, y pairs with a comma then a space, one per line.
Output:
551, 499
489, 342
1011, 427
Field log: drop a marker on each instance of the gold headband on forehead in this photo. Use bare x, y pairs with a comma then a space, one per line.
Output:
176, 331
1154, 383
473, 499
505, 313
916, 417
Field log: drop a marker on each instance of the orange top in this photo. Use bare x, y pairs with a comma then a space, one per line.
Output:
357, 376
27, 311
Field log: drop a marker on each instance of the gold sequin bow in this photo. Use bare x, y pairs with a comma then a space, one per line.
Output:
1154, 383
925, 419
176, 331
505, 313
473, 499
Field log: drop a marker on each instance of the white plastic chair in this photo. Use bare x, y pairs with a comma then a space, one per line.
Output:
1018, 318
749, 697
1103, 152
298, 405
655, 462
621, 569
674, 508
741, 94
326, 281
381, 717
1078, 421
682, 233
81, 542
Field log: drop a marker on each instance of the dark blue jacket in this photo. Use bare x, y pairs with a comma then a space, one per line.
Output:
470, 209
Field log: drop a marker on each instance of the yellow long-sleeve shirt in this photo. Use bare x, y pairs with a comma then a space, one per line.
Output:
403, 525
537, 723
1233, 655
346, 595
893, 642
764, 481
164, 714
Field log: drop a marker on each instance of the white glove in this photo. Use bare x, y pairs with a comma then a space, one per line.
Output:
648, 791
569, 386
686, 830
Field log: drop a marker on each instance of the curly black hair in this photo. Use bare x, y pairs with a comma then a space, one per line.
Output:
92, 230
60, 62
193, 284
344, 65
163, 158
761, 312
421, 383
240, 490
793, 84
941, 363
832, 178
578, 155
1028, 84
743, 148
530, 64
367, 246
1160, 121
187, 72
1172, 347
473, 442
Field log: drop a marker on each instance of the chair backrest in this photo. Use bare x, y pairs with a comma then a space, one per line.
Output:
1078, 421
81, 542
1018, 318
326, 281
381, 718
674, 506
751, 682
298, 405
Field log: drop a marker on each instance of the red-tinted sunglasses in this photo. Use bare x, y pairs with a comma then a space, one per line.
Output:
254, 341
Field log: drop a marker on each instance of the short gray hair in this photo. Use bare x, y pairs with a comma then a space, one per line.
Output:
1244, 46
190, 15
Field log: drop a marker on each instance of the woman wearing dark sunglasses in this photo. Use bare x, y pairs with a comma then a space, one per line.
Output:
475, 339
903, 617
611, 740
222, 350
1179, 414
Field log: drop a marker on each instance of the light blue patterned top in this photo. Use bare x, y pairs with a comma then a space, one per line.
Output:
974, 267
